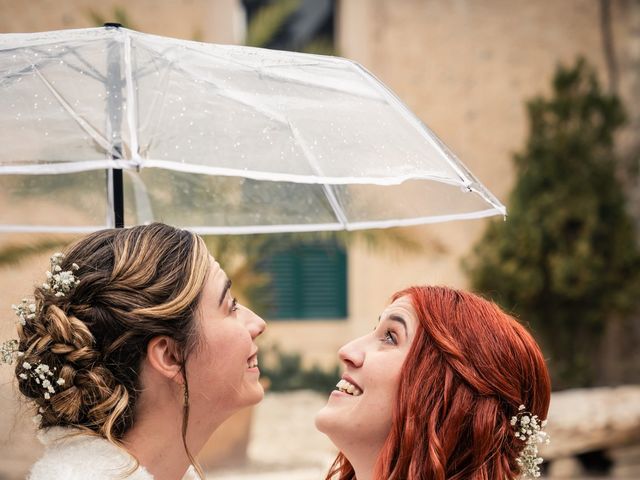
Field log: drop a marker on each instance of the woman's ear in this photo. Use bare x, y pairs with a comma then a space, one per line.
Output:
164, 357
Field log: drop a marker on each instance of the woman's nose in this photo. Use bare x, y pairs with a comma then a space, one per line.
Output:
255, 323
352, 354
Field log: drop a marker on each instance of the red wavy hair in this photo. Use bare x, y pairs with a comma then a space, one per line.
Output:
468, 369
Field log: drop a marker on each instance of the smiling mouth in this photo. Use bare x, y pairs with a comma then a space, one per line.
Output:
253, 361
349, 388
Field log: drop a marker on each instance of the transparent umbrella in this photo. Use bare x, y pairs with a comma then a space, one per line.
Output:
107, 126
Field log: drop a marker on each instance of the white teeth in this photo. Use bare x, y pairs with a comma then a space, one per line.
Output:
253, 364
347, 387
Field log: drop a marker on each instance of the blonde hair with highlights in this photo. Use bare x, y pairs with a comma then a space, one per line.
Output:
134, 284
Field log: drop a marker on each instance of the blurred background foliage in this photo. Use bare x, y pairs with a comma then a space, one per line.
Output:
285, 371
241, 255
566, 260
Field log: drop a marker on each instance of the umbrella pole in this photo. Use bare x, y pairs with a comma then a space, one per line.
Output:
114, 83
118, 197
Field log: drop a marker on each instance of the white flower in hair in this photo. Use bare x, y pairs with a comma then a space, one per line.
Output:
8, 351
44, 376
529, 429
25, 311
60, 281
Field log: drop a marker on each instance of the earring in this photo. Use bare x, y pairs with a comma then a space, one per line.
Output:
185, 393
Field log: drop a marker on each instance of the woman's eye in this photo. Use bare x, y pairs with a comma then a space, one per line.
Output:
389, 338
234, 304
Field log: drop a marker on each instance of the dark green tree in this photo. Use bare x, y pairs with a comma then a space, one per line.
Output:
565, 260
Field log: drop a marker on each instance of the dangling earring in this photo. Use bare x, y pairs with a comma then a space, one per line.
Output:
185, 395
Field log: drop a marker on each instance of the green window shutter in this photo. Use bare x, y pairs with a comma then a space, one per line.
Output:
307, 281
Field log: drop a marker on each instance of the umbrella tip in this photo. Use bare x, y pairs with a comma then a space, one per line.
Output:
112, 25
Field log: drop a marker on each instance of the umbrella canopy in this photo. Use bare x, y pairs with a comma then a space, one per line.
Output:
214, 138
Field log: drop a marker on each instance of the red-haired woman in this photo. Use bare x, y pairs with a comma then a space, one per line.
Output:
446, 387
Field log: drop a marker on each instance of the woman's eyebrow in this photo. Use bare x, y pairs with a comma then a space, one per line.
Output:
397, 318
400, 320
226, 288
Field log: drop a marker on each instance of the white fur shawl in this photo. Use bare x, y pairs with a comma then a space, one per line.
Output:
84, 457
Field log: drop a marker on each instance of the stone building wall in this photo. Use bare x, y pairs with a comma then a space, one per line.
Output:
465, 67
219, 21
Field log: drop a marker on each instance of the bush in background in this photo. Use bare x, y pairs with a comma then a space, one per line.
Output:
565, 260
285, 371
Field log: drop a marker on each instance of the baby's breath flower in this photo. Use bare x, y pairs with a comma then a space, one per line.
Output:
8, 351
59, 281
44, 376
25, 311
528, 428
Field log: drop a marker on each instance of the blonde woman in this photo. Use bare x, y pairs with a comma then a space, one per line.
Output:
133, 352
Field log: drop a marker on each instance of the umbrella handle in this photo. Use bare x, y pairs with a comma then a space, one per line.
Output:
118, 198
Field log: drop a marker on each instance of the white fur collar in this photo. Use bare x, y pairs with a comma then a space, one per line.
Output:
71, 455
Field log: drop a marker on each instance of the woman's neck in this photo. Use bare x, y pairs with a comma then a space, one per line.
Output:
363, 470
363, 457
155, 440
158, 447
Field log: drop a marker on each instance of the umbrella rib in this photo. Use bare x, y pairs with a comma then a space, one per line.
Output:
144, 210
267, 72
131, 102
228, 94
247, 229
409, 222
285, 177
92, 72
96, 74
265, 111
22, 71
81, 121
328, 190
412, 119
225, 93
155, 119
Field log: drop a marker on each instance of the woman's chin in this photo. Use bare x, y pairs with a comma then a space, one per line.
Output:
255, 395
326, 421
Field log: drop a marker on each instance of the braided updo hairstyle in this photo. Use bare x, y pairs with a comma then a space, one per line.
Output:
469, 368
133, 284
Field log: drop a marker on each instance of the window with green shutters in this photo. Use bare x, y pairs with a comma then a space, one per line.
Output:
307, 281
